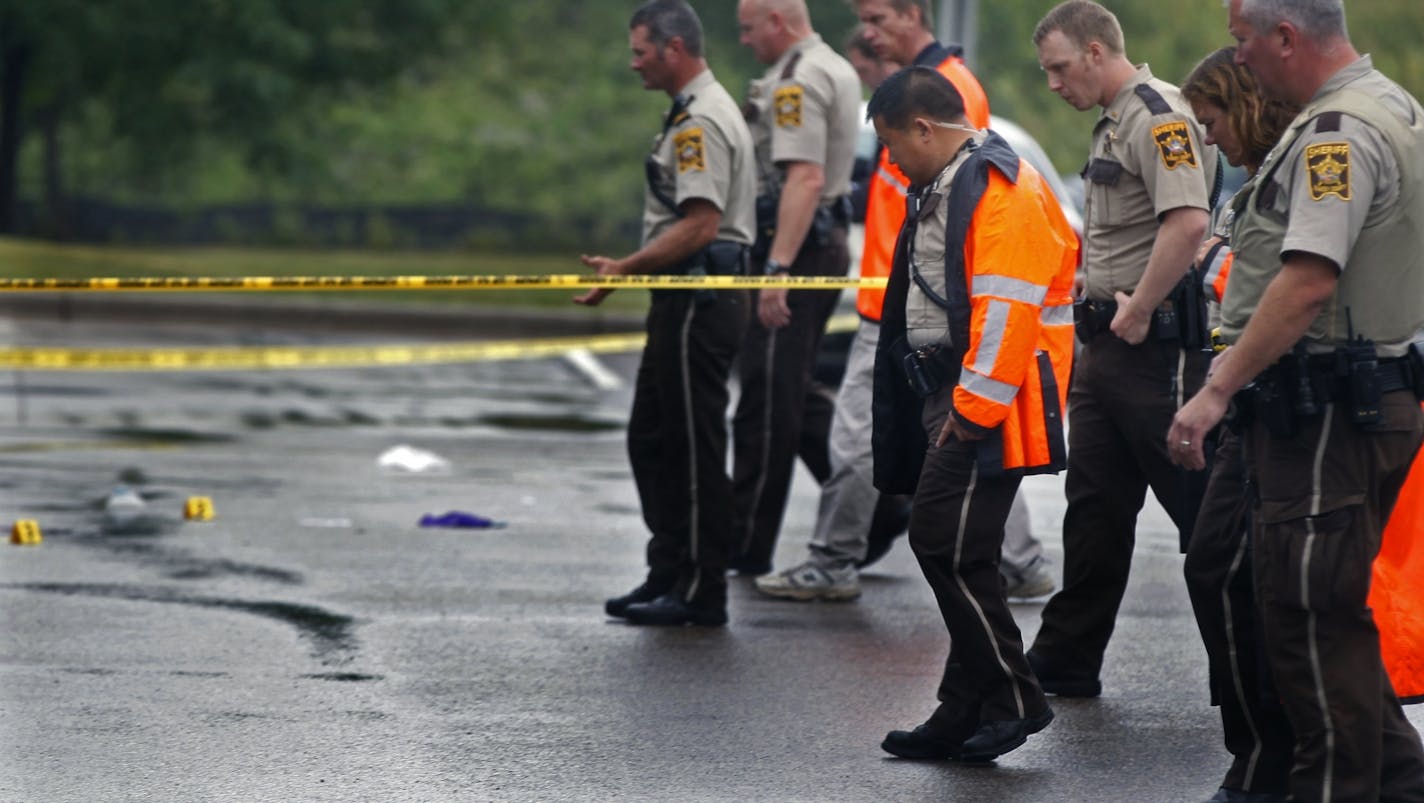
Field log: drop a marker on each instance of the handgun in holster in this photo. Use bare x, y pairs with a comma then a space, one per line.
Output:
1165, 323
1272, 403
1092, 318
926, 369
1191, 309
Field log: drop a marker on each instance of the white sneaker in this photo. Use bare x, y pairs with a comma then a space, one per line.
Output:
1034, 581
809, 581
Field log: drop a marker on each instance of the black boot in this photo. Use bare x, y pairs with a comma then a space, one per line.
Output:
618, 606
672, 609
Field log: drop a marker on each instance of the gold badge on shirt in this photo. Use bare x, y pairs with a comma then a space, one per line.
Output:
787, 102
1329, 168
690, 153
1174, 142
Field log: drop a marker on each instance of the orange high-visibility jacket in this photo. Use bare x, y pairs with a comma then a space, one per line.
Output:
1019, 257
1010, 256
885, 200
1397, 589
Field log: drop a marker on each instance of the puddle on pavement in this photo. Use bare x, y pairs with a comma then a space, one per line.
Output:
184, 569
343, 677
54, 390
165, 435
41, 447
550, 423
619, 510
611, 475
178, 566
329, 634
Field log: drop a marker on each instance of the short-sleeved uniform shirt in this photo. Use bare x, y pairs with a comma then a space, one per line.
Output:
805, 108
706, 152
1324, 187
1144, 163
1328, 206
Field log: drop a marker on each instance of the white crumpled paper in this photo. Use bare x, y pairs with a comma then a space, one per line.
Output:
406, 459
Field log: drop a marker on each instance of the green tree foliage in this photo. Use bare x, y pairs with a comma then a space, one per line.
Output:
156, 79
523, 106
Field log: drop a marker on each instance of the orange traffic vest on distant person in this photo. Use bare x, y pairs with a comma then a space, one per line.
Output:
885, 202
1397, 590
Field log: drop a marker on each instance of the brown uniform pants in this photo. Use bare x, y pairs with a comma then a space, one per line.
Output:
1324, 498
957, 532
677, 438
1120, 405
1218, 572
782, 411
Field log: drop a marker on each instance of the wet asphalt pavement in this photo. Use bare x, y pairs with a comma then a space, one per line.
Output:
312, 643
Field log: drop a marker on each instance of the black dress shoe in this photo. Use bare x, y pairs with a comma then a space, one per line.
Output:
939, 738
670, 609
1062, 681
618, 606
993, 739
923, 743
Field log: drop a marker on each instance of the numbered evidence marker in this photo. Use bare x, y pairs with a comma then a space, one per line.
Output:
198, 508
26, 532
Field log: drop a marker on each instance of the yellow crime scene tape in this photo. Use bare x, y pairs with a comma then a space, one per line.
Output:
181, 359
305, 357
573, 281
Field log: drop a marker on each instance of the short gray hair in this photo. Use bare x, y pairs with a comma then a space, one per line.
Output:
1317, 19
667, 20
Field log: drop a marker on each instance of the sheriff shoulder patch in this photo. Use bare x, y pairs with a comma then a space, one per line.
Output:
1329, 167
1174, 143
787, 102
691, 155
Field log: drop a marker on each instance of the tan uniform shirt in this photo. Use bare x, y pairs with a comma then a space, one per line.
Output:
926, 322
1332, 188
805, 108
1143, 165
706, 153
1328, 210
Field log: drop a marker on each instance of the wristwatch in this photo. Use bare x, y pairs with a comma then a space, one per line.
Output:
773, 267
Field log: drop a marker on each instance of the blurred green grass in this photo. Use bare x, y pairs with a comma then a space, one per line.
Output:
31, 259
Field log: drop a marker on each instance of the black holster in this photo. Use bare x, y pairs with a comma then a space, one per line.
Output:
828, 216
928, 369
1092, 318
1181, 318
1300, 385
718, 258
